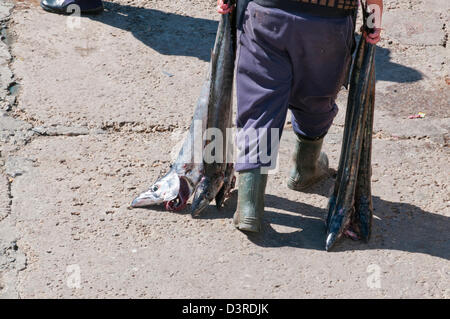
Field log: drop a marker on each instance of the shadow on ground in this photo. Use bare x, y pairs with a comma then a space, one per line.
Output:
389, 71
174, 34
396, 226
386, 70
167, 33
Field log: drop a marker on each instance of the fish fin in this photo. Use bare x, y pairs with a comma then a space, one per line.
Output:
226, 189
220, 197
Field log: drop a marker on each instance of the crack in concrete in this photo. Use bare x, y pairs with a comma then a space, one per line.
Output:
384, 135
3, 26
12, 259
39, 129
21, 129
10, 99
137, 127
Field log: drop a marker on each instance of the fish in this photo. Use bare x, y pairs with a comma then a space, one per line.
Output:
363, 216
176, 187
189, 173
350, 208
220, 111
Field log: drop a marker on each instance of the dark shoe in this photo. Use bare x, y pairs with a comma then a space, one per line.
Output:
250, 206
310, 165
61, 6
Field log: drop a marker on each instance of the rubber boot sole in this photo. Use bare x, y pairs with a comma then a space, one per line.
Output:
247, 226
292, 185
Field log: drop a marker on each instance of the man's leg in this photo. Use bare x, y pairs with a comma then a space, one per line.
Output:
319, 73
263, 82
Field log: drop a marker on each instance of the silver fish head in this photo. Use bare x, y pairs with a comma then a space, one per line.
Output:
204, 194
163, 190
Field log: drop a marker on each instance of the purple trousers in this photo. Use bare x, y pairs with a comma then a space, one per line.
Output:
287, 61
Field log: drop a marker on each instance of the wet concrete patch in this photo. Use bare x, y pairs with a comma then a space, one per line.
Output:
408, 99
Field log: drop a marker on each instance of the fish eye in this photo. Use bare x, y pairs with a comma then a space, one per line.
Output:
155, 188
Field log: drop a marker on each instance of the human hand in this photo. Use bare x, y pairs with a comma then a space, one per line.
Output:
224, 8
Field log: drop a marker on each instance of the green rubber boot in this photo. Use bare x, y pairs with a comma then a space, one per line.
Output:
250, 206
310, 165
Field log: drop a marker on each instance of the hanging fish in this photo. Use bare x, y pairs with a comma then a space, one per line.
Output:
214, 110
220, 114
350, 208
